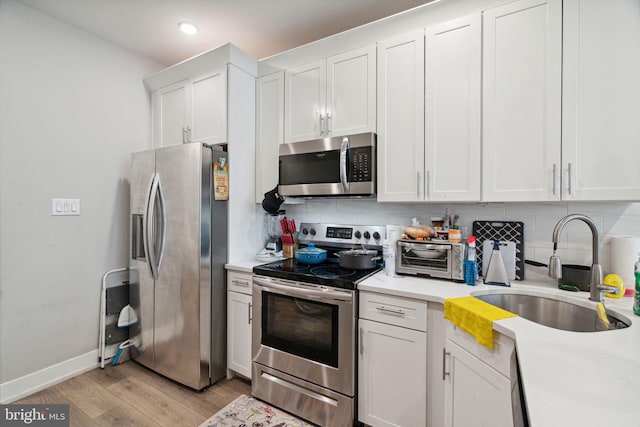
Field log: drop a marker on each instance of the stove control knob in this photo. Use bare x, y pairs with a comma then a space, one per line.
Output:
305, 231
376, 235
357, 234
367, 235
312, 231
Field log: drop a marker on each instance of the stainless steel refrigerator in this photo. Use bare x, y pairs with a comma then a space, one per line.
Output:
178, 251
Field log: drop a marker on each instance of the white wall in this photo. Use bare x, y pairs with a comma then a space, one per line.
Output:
72, 108
612, 218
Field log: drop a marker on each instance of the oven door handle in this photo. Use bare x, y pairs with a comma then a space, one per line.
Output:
424, 246
298, 292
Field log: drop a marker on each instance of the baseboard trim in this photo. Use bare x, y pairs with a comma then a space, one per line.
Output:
13, 390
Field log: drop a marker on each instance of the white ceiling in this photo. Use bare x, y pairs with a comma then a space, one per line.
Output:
259, 27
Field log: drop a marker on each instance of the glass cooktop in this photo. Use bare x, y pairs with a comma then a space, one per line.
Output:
328, 273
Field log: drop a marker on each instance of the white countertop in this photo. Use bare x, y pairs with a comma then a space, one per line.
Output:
244, 266
568, 378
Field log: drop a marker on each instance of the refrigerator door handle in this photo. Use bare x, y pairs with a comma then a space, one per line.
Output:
150, 233
163, 226
145, 226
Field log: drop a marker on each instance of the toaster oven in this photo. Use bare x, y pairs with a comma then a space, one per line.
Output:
431, 258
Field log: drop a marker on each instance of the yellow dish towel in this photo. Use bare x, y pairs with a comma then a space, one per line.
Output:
475, 317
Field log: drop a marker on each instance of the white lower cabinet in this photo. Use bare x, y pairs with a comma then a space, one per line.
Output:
481, 385
435, 385
392, 377
239, 324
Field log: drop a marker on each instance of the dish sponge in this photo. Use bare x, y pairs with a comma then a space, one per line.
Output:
475, 317
602, 315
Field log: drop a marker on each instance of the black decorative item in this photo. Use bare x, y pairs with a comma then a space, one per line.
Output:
272, 201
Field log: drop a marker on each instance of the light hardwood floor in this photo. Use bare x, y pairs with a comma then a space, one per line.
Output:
133, 396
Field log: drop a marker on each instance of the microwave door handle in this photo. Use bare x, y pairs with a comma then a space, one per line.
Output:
344, 163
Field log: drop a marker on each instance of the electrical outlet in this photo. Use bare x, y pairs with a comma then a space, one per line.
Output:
65, 207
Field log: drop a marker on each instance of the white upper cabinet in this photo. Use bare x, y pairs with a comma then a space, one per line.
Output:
170, 105
191, 110
401, 119
522, 60
429, 114
269, 130
351, 93
305, 98
452, 110
601, 85
331, 97
209, 108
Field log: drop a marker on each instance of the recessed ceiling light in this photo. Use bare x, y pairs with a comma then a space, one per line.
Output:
187, 27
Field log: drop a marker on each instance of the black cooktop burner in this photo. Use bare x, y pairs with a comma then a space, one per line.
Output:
332, 271
327, 273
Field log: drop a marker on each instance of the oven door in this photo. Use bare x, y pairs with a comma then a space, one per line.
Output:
305, 330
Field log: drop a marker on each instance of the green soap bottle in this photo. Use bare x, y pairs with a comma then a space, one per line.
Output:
636, 296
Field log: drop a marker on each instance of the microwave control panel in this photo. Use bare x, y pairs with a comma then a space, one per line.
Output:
361, 164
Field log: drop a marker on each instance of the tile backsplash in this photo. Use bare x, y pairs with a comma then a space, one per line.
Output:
612, 219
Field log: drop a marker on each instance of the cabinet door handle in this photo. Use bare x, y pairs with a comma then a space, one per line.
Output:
397, 312
188, 133
445, 353
361, 341
184, 135
249, 311
328, 124
427, 190
321, 124
569, 188
243, 283
418, 184
554, 179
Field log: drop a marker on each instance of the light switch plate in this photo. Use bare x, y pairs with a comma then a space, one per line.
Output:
65, 207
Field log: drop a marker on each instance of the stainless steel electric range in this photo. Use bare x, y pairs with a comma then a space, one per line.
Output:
304, 333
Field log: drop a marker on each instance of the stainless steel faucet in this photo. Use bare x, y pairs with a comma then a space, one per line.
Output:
555, 267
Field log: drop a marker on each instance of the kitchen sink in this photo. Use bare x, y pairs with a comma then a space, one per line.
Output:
542, 308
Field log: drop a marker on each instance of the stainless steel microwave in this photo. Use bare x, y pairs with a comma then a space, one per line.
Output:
338, 166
